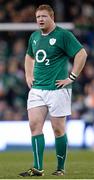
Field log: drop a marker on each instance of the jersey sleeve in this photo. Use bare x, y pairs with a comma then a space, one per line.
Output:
71, 45
29, 48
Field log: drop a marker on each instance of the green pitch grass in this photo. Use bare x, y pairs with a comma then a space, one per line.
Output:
79, 164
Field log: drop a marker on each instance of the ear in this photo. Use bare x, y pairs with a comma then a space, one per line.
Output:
52, 17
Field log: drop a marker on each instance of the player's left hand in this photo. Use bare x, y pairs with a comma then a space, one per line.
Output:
63, 83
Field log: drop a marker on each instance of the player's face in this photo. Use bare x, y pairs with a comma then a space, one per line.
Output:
44, 20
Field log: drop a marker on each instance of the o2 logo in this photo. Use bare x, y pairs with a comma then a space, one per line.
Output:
44, 55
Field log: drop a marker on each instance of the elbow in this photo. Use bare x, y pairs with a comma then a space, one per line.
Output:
84, 54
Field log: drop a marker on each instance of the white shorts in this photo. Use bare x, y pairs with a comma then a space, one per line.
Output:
58, 101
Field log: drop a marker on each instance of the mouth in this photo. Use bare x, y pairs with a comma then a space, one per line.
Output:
41, 24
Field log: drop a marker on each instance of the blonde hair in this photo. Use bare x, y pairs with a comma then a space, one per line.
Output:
47, 8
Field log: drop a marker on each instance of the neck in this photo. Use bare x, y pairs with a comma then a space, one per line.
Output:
47, 31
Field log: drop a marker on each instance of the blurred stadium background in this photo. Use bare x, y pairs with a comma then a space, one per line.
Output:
17, 22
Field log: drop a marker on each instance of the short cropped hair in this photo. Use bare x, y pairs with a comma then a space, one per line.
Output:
47, 8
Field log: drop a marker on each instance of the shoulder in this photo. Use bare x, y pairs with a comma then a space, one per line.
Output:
63, 32
34, 34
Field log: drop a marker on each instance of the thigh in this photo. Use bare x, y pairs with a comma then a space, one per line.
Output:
35, 98
37, 117
60, 103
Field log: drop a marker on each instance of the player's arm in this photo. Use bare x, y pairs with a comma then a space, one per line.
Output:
29, 65
79, 62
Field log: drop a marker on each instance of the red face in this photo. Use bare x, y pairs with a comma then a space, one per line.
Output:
44, 20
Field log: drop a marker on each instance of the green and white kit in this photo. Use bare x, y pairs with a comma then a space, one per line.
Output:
51, 53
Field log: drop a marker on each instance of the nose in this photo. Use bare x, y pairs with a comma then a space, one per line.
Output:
40, 18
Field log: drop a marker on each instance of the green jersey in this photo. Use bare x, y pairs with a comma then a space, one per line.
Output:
51, 53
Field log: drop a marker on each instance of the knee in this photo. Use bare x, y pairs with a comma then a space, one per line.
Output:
58, 131
35, 128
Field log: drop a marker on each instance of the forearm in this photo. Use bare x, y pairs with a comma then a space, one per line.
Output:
79, 62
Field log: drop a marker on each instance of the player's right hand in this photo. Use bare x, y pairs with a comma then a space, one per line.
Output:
30, 81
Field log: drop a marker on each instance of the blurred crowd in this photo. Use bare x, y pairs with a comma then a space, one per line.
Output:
81, 11
13, 88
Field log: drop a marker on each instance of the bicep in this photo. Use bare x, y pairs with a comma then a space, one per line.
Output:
81, 53
29, 48
28, 58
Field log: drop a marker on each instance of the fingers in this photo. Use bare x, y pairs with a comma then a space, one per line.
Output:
59, 83
62, 83
30, 83
33, 80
